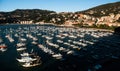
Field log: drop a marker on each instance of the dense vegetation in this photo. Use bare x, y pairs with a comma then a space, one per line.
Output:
29, 14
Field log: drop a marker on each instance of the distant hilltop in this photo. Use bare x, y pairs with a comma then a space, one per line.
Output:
103, 10
107, 14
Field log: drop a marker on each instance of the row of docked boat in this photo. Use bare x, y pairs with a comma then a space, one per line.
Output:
54, 41
29, 60
9, 38
52, 44
26, 59
49, 51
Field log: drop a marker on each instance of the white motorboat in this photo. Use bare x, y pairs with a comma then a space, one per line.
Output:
20, 44
52, 44
25, 54
59, 41
29, 60
34, 42
70, 52
57, 56
28, 64
21, 48
26, 59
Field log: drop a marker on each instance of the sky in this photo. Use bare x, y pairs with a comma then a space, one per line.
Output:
54, 5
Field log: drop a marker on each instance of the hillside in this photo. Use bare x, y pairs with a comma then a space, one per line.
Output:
34, 15
107, 14
103, 10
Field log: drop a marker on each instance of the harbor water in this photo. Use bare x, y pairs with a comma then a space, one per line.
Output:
58, 48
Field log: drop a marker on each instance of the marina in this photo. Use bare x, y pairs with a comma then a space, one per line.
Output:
41, 46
